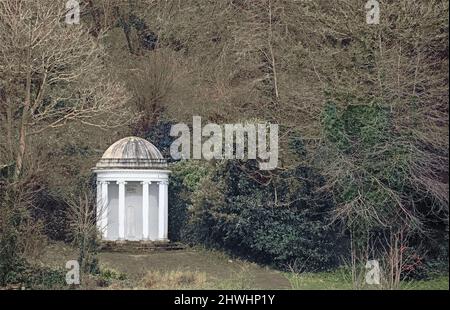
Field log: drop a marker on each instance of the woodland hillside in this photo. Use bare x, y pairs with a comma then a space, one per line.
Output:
362, 113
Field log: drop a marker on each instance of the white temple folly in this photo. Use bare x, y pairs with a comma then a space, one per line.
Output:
132, 192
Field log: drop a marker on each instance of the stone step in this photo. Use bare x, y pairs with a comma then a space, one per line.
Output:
140, 246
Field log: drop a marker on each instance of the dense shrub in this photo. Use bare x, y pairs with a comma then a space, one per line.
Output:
21, 236
276, 218
159, 135
185, 179
51, 210
36, 277
376, 191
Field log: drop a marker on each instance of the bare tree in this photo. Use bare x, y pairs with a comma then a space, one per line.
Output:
51, 73
82, 220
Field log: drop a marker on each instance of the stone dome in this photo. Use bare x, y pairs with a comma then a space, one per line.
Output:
132, 153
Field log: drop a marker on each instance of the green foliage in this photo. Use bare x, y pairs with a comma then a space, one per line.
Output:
20, 239
111, 274
333, 126
277, 219
158, 134
374, 187
9, 235
356, 127
297, 145
385, 123
184, 180
51, 210
88, 248
36, 277
20, 236
379, 163
107, 275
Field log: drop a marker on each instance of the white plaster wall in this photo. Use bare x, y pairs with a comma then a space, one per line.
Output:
153, 211
113, 211
133, 211
133, 199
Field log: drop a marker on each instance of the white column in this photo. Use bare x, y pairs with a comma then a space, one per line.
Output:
162, 210
104, 209
121, 209
166, 208
145, 209
99, 206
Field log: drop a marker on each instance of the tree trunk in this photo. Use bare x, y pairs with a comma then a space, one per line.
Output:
24, 122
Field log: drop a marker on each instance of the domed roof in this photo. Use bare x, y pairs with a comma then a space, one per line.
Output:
132, 152
132, 148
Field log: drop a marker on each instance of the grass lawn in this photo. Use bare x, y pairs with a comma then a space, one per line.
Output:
205, 269
341, 280
437, 283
